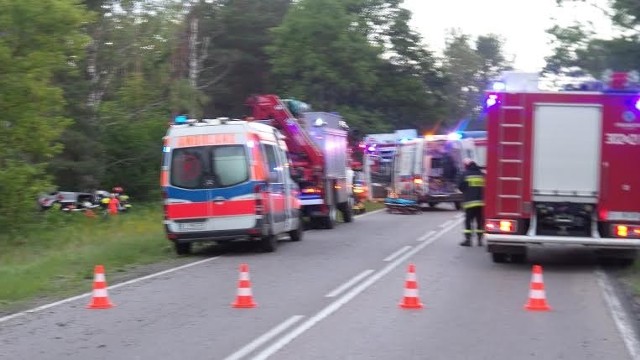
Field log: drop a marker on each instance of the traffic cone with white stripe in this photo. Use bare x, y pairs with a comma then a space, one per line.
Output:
537, 296
410, 299
244, 298
100, 298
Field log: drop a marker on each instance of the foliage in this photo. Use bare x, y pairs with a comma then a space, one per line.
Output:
469, 67
579, 51
88, 87
39, 40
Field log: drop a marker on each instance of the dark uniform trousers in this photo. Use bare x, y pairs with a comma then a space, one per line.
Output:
471, 215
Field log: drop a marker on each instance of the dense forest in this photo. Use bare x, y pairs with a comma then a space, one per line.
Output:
87, 87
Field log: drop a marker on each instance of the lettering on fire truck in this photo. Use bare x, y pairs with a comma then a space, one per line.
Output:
622, 139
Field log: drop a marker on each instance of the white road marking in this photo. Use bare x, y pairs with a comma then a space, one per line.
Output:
334, 306
426, 236
264, 338
397, 253
446, 223
348, 284
619, 315
133, 281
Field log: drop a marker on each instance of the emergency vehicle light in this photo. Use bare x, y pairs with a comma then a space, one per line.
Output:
454, 136
638, 104
491, 100
180, 119
621, 81
626, 231
505, 226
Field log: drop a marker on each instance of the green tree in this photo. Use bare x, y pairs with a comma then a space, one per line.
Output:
577, 49
40, 39
469, 66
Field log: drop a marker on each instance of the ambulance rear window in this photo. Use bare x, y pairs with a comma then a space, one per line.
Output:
209, 166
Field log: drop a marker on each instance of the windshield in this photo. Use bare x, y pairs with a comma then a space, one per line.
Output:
209, 166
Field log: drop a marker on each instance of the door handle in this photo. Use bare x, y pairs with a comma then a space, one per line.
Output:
219, 199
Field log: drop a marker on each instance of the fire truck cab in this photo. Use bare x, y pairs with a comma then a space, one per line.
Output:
562, 167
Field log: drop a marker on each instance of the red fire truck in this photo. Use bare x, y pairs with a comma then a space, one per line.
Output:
562, 168
319, 154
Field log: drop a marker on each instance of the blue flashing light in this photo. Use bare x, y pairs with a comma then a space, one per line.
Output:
638, 104
454, 136
166, 149
180, 119
491, 100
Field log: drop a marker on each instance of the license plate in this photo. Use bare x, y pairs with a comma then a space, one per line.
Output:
192, 226
621, 215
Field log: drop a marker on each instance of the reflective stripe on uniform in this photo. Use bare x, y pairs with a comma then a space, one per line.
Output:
475, 180
467, 231
472, 204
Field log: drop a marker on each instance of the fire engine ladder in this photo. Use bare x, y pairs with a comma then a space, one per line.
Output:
511, 137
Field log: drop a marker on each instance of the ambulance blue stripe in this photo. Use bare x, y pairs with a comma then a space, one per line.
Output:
200, 195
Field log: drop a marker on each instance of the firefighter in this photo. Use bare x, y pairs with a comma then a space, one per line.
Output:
472, 186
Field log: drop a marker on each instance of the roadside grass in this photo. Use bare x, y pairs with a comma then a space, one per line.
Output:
631, 277
373, 205
57, 257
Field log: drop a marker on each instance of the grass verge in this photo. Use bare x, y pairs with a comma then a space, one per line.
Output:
56, 258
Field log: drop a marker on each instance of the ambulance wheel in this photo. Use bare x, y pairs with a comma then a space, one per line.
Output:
330, 220
347, 210
182, 248
269, 243
296, 234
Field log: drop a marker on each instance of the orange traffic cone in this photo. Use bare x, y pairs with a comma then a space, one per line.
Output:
410, 299
100, 298
537, 297
244, 298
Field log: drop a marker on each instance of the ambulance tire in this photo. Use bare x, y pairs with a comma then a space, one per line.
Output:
330, 220
182, 248
297, 234
347, 211
269, 243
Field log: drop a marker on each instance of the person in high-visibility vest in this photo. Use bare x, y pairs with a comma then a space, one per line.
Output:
472, 186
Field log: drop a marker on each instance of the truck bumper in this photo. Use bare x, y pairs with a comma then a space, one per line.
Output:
613, 243
425, 199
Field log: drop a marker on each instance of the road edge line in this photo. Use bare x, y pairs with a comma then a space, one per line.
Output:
619, 314
115, 286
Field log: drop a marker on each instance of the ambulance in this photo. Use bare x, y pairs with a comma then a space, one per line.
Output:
225, 180
427, 169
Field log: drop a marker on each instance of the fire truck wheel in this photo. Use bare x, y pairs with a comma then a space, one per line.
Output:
518, 258
182, 248
499, 257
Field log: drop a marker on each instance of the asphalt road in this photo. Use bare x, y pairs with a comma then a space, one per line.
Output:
335, 295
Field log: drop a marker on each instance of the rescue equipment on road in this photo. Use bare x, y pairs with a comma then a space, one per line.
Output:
410, 299
244, 298
100, 298
537, 295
